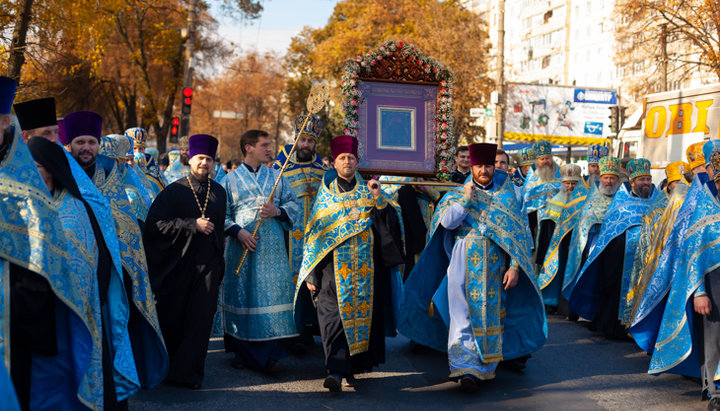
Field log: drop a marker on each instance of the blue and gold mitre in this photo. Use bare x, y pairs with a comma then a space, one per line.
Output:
527, 156
694, 155
140, 160
173, 155
312, 128
715, 162
638, 167
596, 152
138, 136
542, 148
609, 165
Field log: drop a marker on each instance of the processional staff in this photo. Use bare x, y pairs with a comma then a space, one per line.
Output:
319, 95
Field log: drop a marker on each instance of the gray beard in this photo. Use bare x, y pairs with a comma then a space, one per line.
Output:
546, 173
593, 179
564, 194
609, 191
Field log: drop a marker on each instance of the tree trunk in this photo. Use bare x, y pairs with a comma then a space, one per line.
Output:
17, 45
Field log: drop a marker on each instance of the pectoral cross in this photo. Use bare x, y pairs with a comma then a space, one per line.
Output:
482, 228
309, 190
355, 213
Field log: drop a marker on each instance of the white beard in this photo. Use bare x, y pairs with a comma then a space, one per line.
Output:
546, 173
609, 191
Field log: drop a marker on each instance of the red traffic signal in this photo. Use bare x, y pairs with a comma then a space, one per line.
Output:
175, 121
174, 128
187, 92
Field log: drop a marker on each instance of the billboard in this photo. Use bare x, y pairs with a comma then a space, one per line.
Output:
560, 114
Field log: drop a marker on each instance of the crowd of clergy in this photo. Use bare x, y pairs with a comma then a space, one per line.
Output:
116, 269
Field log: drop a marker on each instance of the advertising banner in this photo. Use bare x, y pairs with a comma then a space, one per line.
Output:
559, 114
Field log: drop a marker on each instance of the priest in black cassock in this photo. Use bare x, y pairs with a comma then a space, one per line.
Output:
184, 245
352, 249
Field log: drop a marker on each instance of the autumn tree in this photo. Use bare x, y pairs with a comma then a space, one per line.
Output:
444, 30
664, 44
122, 58
249, 94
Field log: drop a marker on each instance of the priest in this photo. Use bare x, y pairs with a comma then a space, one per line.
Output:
37, 118
602, 284
540, 186
476, 278
352, 249
184, 243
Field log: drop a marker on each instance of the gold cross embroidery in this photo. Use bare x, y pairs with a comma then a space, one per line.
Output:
475, 296
475, 258
494, 259
492, 294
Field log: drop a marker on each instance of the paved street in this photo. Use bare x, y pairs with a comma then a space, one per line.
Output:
575, 370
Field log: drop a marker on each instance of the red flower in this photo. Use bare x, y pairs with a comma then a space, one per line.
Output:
400, 44
445, 169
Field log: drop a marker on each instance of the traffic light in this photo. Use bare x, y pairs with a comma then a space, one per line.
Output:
614, 123
187, 93
174, 130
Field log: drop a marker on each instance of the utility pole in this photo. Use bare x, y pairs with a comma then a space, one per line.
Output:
664, 62
189, 63
500, 84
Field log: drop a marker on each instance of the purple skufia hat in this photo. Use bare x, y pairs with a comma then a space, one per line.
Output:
202, 144
62, 137
81, 123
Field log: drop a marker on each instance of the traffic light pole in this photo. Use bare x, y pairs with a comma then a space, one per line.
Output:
189, 65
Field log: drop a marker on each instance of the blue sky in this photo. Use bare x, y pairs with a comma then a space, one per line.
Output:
279, 22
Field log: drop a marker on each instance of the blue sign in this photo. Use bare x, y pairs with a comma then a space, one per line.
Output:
595, 96
593, 128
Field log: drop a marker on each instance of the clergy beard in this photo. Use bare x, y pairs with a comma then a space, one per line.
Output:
609, 190
592, 179
304, 155
546, 173
564, 194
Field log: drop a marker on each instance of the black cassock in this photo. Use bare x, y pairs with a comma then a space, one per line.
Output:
186, 268
707, 331
607, 290
386, 254
547, 227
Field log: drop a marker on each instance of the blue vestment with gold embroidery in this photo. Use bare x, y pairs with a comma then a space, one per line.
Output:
648, 317
554, 258
645, 240
494, 227
32, 237
584, 235
151, 358
341, 224
257, 302
304, 179
536, 192
624, 216
674, 351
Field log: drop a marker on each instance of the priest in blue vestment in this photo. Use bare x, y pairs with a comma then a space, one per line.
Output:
556, 224
589, 223
304, 174
352, 249
602, 284
144, 160
257, 301
526, 159
178, 167
688, 342
473, 291
541, 184
103, 305
594, 154
80, 132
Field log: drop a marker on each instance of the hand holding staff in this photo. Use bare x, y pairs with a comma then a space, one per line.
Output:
319, 95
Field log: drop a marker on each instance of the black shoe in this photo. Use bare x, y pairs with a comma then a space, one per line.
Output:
333, 383
349, 381
714, 404
469, 384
